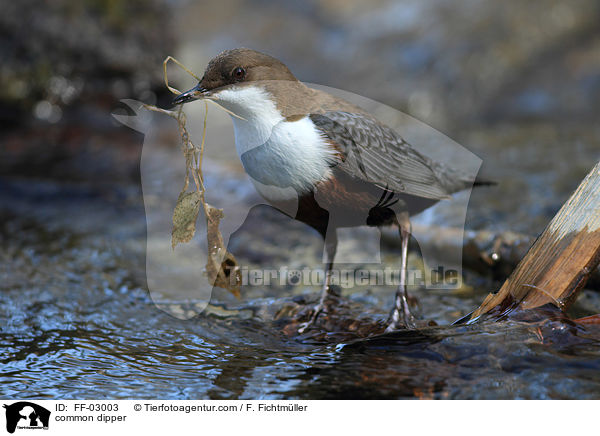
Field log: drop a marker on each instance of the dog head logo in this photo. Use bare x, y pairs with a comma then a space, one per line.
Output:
26, 415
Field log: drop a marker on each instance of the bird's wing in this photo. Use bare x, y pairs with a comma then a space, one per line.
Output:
375, 153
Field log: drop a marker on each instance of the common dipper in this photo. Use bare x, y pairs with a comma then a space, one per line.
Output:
323, 160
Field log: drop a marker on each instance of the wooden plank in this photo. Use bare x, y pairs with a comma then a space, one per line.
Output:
560, 261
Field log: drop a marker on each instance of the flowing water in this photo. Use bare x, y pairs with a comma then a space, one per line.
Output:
77, 321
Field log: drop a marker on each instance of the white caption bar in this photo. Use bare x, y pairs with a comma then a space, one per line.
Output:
306, 418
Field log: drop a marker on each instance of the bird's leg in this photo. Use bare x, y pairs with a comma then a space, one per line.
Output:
330, 249
400, 317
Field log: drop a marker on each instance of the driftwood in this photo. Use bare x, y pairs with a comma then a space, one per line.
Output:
560, 261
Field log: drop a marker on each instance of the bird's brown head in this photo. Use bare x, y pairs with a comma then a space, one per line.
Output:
235, 68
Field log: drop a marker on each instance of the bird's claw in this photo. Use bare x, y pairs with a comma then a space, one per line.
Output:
401, 319
317, 310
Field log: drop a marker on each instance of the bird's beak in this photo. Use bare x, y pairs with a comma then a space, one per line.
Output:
197, 92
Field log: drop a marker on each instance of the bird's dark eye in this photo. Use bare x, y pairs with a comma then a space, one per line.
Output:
239, 73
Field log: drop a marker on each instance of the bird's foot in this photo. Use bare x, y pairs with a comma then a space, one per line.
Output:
401, 318
316, 311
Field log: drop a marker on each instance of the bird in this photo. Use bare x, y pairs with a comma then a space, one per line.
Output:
324, 161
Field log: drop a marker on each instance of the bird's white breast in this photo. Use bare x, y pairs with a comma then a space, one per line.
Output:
283, 158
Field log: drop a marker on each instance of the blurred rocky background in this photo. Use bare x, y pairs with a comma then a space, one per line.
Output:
65, 65
516, 82
448, 63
